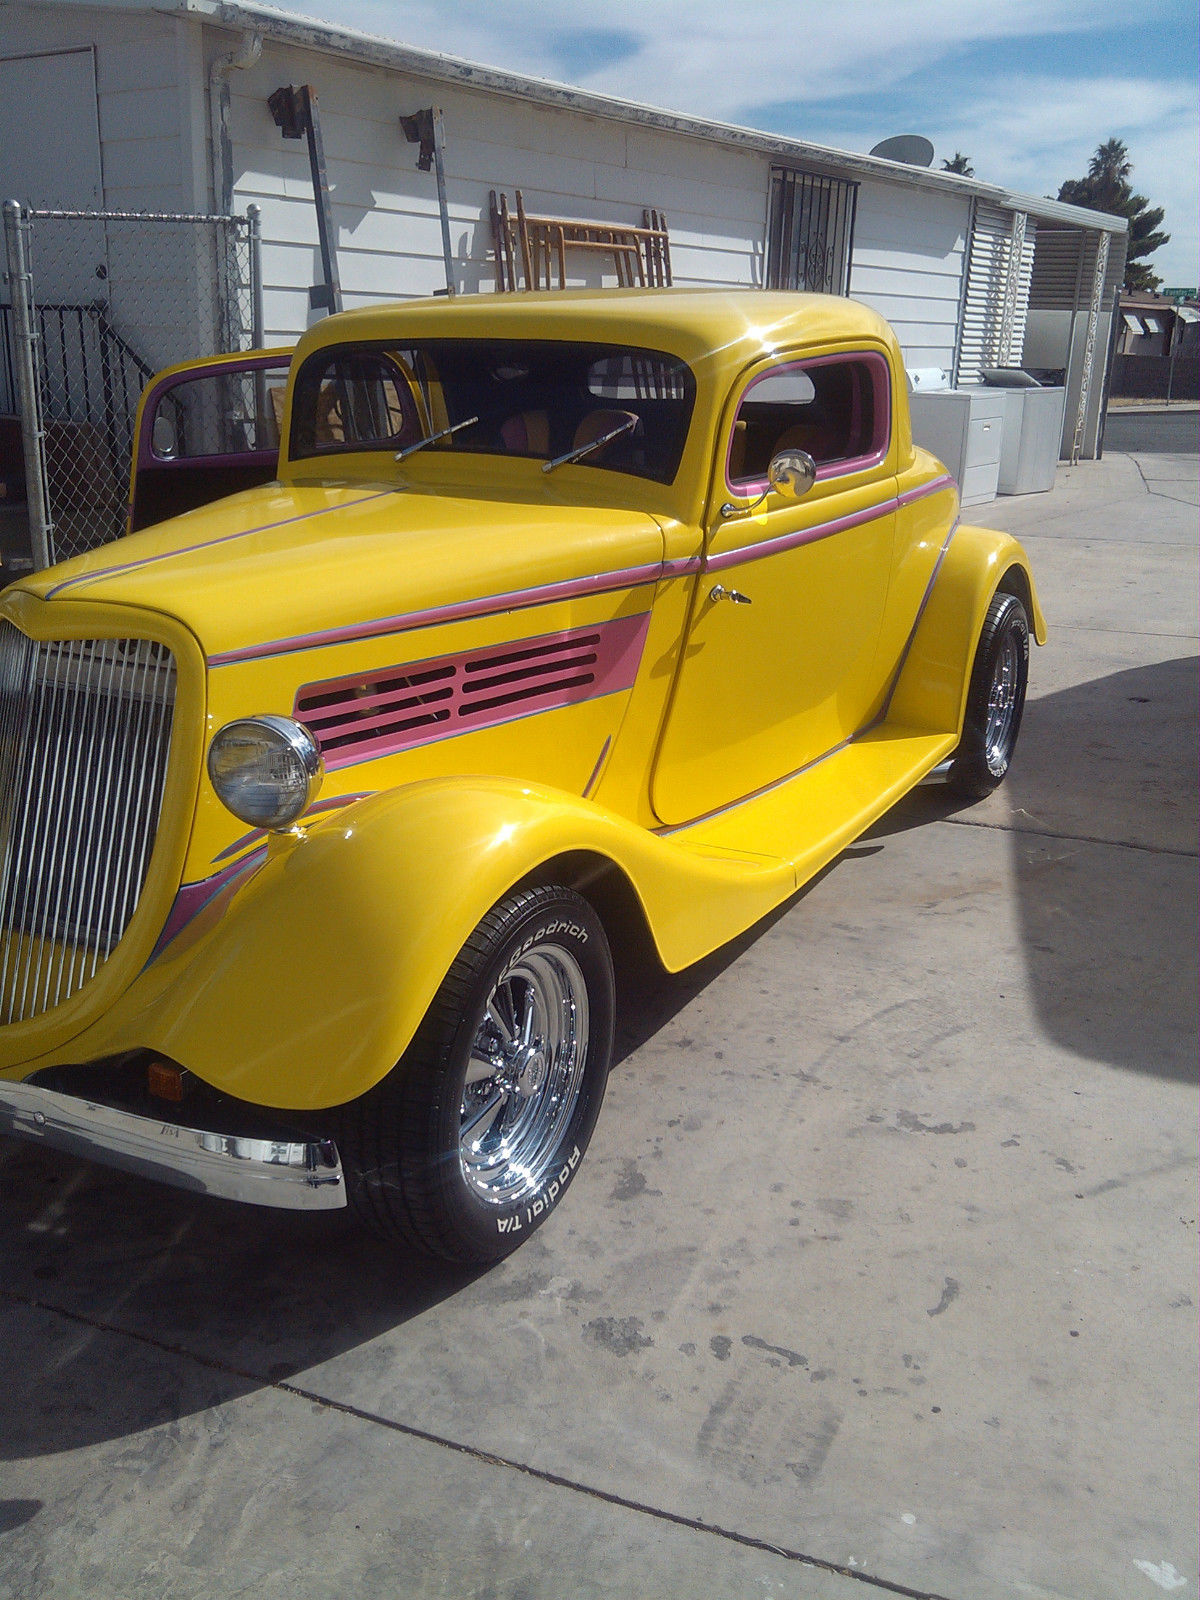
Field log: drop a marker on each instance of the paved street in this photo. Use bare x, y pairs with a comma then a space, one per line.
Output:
879, 1278
1152, 430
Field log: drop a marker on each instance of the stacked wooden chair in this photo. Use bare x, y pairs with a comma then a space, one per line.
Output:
532, 251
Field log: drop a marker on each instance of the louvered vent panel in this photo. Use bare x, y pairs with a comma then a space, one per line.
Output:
531, 674
1057, 269
379, 713
356, 715
1064, 267
85, 735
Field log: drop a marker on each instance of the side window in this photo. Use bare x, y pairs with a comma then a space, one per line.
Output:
358, 400
218, 414
836, 408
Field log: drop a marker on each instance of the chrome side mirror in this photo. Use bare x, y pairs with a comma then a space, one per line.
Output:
162, 438
792, 473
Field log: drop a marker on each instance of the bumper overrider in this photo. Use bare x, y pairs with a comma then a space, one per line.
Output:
297, 1175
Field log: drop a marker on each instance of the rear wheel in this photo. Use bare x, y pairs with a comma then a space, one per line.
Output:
995, 699
474, 1137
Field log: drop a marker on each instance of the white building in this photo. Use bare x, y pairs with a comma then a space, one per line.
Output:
162, 105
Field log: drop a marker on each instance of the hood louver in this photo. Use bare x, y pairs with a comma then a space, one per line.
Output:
379, 713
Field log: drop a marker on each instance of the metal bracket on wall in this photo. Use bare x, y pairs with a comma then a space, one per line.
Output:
1089, 348
1006, 354
295, 115
425, 128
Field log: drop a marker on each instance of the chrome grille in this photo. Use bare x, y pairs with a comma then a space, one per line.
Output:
85, 732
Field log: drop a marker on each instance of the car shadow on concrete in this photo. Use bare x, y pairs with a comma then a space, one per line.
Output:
1101, 803
254, 1297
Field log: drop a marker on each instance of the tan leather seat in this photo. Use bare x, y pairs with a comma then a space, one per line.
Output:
527, 433
817, 439
736, 469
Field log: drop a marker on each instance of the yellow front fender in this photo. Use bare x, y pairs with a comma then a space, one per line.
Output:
310, 982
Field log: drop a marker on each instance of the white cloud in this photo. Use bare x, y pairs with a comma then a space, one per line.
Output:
708, 57
1033, 133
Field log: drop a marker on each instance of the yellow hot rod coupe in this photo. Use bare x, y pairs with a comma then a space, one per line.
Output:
526, 616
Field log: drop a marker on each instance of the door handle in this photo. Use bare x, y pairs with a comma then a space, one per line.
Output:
719, 592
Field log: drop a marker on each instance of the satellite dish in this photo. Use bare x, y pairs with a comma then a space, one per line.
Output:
911, 148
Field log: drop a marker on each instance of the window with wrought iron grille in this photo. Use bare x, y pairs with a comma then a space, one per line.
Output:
810, 232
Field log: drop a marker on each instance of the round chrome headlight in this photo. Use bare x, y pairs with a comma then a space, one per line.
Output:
267, 770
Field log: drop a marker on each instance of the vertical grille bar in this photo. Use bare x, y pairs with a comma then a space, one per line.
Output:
85, 734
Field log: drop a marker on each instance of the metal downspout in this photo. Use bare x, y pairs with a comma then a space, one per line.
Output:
218, 111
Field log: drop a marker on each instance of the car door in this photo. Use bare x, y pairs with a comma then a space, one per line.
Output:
204, 430
778, 666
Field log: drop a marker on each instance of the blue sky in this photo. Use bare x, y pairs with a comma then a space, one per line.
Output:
1026, 88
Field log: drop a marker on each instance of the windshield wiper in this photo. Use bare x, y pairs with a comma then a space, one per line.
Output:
581, 450
433, 438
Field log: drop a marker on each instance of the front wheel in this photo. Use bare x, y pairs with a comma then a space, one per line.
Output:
474, 1137
995, 699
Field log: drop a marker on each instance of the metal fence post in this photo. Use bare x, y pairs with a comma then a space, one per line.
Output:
439, 168
33, 436
254, 244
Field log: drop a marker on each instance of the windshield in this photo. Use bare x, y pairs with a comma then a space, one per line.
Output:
541, 399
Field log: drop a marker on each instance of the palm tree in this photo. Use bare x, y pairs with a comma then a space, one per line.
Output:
1107, 188
960, 164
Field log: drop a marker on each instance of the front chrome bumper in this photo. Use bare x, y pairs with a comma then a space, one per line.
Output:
298, 1176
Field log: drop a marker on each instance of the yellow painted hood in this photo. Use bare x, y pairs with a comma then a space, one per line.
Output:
289, 560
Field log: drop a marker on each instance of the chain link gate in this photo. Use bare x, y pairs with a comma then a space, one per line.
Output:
100, 302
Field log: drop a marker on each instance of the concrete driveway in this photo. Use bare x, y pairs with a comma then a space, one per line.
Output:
880, 1276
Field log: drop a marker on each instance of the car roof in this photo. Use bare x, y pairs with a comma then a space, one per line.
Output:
728, 325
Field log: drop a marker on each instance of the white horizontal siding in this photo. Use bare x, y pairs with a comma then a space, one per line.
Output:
385, 212
909, 255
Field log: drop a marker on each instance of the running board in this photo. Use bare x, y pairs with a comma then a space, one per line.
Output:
807, 819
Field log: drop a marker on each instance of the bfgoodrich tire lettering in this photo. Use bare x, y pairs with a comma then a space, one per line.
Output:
478, 1132
995, 699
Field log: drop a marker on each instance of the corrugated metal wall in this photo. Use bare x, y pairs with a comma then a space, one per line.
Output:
1060, 301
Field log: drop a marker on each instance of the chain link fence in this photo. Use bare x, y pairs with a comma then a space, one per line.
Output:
98, 303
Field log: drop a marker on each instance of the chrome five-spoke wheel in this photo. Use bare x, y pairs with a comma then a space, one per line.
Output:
1004, 702
476, 1134
524, 1074
995, 699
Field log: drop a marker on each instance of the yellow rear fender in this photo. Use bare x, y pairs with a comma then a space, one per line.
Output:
935, 672
311, 982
